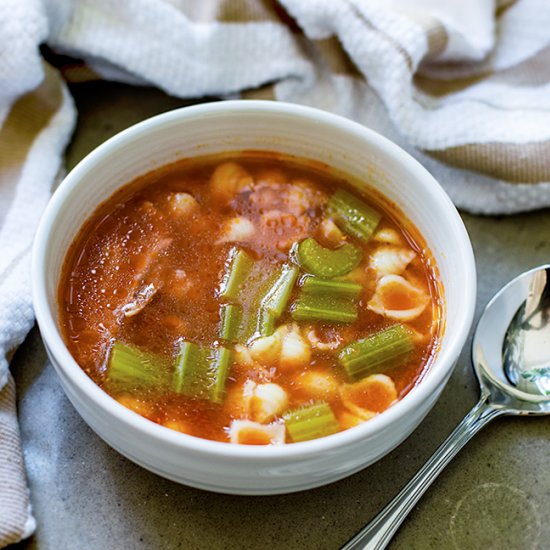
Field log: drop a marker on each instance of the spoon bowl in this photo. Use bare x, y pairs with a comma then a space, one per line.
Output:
494, 335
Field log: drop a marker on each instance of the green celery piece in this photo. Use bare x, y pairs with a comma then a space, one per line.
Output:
131, 366
191, 372
231, 316
256, 319
266, 323
389, 347
313, 307
327, 263
317, 286
353, 215
311, 422
276, 299
200, 372
238, 267
220, 363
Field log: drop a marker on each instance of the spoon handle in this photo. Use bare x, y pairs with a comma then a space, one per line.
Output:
377, 534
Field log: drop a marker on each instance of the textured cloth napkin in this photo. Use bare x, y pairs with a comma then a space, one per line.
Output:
462, 84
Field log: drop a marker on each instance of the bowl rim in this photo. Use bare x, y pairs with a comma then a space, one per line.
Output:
434, 377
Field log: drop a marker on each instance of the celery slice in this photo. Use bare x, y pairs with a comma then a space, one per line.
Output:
219, 370
389, 347
274, 302
311, 422
200, 372
266, 323
231, 316
191, 371
276, 299
238, 266
131, 366
255, 318
315, 259
352, 215
317, 286
313, 307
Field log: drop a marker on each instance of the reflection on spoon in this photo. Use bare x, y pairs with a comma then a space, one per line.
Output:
498, 396
525, 350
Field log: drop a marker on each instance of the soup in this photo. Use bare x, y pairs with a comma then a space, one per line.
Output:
253, 298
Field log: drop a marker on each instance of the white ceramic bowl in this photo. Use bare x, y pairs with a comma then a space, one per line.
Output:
246, 125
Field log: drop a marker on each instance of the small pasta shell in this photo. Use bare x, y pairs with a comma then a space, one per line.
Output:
317, 385
183, 205
391, 260
229, 179
295, 351
370, 396
242, 355
247, 432
388, 235
266, 349
264, 401
316, 343
237, 229
397, 299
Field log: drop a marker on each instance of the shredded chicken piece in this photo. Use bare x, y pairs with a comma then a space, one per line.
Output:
302, 196
293, 227
398, 299
292, 197
278, 218
147, 262
141, 298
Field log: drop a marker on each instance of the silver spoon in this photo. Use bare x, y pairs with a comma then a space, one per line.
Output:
527, 340
498, 396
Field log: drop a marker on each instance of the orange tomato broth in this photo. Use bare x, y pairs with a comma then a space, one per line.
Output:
136, 236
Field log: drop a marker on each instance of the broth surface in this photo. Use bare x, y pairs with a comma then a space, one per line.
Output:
147, 270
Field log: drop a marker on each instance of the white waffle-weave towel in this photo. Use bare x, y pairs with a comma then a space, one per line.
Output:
463, 85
